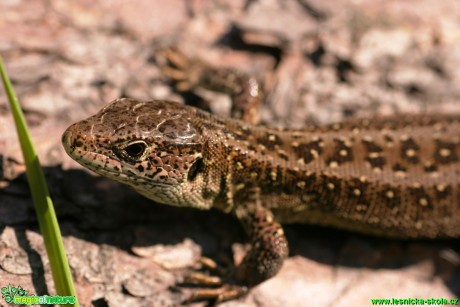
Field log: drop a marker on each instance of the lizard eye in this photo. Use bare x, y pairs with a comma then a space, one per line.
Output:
135, 149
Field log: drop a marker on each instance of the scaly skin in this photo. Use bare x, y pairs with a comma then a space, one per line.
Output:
394, 177
389, 177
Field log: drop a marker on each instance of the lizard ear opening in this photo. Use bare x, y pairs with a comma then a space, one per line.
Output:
196, 167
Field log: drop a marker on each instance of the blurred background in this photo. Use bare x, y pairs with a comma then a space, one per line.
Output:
320, 62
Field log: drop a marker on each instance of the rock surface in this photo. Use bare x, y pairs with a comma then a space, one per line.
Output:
322, 61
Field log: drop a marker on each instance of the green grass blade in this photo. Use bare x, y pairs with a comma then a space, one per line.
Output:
43, 205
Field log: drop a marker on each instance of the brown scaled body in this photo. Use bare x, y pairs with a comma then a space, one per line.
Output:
395, 177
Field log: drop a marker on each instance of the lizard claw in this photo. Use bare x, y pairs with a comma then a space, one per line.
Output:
217, 295
183, 71
212, 287
198, 278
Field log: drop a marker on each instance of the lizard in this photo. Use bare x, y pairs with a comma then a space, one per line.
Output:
395, 177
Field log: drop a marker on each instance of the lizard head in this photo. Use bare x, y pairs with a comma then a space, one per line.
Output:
155, 147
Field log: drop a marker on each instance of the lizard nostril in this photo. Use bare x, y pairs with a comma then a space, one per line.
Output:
70, 142
79, 143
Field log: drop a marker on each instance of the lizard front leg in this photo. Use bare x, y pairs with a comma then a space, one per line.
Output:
269, 245
268, 249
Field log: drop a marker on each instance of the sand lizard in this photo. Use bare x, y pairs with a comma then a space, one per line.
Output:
394, 177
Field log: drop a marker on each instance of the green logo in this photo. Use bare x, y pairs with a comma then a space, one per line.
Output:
20, 296
8, 293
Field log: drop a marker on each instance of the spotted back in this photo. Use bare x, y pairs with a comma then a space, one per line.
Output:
396, 176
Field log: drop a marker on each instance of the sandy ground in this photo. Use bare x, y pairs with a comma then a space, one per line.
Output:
321, 61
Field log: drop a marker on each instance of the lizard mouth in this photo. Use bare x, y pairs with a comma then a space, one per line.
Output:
95, 161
